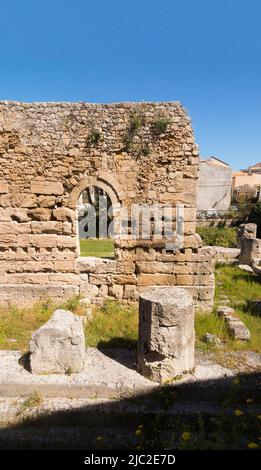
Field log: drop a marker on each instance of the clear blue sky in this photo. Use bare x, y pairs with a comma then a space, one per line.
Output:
204, 53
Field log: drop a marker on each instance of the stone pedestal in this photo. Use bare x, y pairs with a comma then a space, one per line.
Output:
166, 333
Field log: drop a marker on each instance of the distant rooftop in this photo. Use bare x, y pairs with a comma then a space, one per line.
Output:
215, 161
256, 166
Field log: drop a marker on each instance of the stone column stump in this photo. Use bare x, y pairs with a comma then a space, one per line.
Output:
166, 333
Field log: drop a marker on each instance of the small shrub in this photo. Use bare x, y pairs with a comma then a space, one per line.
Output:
94, 137
33, 401
218, 236
73, 304
160, 125
255, 217
136, 121
145, 151
68, 371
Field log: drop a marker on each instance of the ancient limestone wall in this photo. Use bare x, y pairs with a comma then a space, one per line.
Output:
138, 153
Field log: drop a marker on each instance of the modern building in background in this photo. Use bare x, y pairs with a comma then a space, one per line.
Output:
215, 177
246, 184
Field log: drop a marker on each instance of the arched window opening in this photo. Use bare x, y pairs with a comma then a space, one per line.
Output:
94, 219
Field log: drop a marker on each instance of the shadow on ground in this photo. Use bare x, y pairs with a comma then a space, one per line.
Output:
111, 348
209, 414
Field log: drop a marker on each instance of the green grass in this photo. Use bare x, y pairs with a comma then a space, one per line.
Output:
33, 401
218, 236
97, 248
113, 325
116, 324
18, 324
240, 287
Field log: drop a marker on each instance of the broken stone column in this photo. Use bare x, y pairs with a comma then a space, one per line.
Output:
58, 346
166, 333
246, 231
250, 250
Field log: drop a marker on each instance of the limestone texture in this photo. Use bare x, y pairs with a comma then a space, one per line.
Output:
235, 326
47, 158
58, 347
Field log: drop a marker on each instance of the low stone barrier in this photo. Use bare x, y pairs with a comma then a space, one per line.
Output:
235, 326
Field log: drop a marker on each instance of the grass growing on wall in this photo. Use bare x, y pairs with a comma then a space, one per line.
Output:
97, 248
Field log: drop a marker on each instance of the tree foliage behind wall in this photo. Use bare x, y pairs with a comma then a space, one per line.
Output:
255, 217
218, 236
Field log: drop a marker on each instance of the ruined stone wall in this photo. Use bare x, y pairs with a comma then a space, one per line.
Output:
138, 153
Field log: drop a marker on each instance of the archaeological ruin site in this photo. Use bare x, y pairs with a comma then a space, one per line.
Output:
138, 153
110, 347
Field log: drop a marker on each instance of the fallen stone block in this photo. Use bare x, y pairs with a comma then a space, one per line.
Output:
166, 333
58, 346
235, 326
211, 339
239, 331
224, 311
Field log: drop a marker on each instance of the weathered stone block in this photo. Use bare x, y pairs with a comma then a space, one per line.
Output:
46, 201
239, 331
166, 333
4, 188
116, 291
63, 214
159, 279
47, 187
41, 213
58, 347
23, 200
250, 250
131, 292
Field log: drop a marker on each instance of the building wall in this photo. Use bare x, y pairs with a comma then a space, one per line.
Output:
48, 157
245, 179
214, 186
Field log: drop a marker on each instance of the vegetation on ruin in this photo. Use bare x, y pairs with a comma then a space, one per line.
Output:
255, 217
160, 125
136, 121
33, 401
230, 429
98, 248
240, 287
218, 236
94, 137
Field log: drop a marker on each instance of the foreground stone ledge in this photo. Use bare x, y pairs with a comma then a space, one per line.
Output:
113, 375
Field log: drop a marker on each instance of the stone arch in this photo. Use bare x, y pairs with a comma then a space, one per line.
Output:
103, 181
